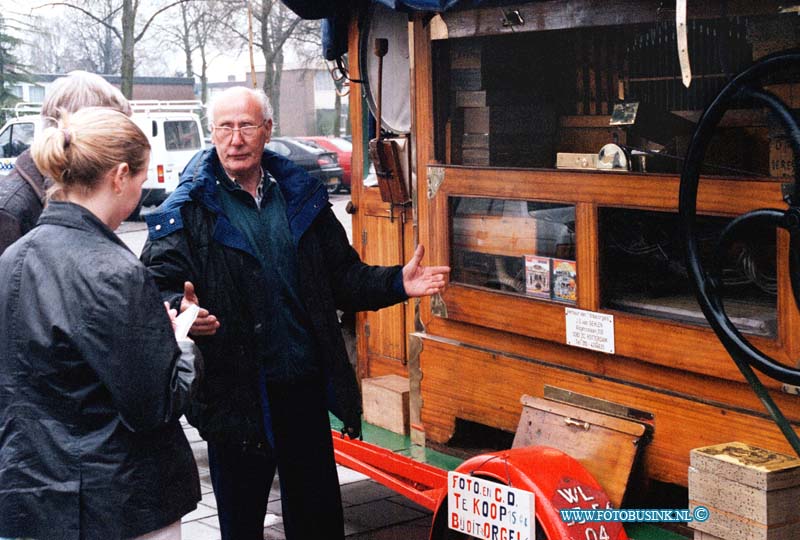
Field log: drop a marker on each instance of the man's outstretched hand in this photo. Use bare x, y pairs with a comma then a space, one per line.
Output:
421, 280
205, 324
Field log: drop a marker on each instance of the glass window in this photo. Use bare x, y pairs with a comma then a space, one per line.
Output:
21, 139
5, 143
642, 269
546, 99
181, 135
342, 144
278, 147
36, 94
519, 247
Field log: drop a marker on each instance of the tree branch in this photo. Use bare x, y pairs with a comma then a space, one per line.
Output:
85, 12
286, 34
154, 15
245, 37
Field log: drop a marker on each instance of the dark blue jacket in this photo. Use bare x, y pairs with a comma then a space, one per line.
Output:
191, 239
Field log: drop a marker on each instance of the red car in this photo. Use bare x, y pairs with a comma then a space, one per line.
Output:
343, 148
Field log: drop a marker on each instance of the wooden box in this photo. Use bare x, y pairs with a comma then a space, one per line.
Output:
386, 402
606, 445
751, 493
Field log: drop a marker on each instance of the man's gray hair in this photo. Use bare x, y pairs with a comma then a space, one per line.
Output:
257, 93
79, 89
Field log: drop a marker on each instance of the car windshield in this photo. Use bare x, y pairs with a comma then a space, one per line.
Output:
308, 148
342, 144
312, 144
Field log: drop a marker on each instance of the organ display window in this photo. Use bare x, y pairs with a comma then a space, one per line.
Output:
607, 97
516, 246
643, 269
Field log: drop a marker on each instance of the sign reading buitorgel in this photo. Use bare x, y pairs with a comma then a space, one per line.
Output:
486, 509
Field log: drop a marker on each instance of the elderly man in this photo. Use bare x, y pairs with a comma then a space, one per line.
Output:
251, 238
22, 193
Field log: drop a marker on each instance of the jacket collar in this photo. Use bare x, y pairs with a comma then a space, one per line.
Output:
26, 168
305, 195
75, 216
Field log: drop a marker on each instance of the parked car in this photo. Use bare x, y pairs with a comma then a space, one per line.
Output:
172, 127
343, 149
16, 137
175, 134
317, 162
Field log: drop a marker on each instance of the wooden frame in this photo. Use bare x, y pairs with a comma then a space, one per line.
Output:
636, 336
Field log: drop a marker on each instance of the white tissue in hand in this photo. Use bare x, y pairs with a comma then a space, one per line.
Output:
184, 321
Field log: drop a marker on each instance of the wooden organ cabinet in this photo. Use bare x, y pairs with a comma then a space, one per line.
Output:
547, 153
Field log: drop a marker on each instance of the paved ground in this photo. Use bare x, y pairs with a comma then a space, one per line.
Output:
371, 511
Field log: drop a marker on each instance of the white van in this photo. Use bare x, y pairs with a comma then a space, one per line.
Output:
17, 135
175, 134
173, 128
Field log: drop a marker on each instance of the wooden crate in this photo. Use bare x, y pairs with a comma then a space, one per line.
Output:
385, 401
751, 493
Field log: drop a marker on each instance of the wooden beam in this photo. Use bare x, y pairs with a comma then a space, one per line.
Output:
559, 15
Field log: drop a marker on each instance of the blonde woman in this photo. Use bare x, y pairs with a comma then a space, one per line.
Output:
22, 192
92, 381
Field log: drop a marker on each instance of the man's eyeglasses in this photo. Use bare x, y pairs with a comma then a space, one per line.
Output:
247, 131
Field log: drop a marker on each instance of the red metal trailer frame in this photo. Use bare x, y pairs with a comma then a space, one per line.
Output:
557, 481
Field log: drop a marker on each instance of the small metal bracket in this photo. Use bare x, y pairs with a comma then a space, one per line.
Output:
787, 192
435, 180
683, 42
790, 389
438, 307
595, 404
511, 18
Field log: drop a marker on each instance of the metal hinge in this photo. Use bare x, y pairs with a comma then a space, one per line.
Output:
364, 238
791, 389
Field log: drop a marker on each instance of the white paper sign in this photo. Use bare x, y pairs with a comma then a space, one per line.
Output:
486, 509
590, 330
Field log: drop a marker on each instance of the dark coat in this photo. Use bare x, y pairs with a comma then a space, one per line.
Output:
191, 239
92, 384
22, 195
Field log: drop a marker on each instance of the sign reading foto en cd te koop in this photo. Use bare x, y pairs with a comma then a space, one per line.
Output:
486, 509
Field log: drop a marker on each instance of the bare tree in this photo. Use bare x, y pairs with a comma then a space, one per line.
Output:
51, 49
200, 30
125, 31
274, 26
